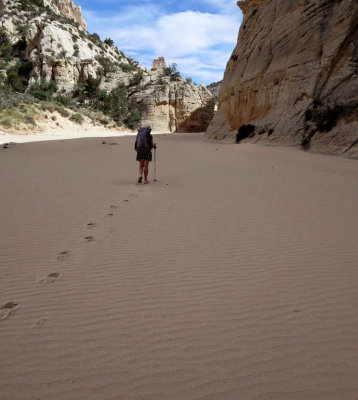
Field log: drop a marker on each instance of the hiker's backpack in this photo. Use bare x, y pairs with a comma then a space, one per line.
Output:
143, 143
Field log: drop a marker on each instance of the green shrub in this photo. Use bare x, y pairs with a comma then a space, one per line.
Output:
43, 90
109, 42
325, 118
133, 119
14, 80
64, 100
119, 103
126, 67
6, 123
172, 71
63, 112
136, 78
113, 104
5, 46
107, 65
94, 38
78, 118
31, 4
29, 120
308, 114
92, 86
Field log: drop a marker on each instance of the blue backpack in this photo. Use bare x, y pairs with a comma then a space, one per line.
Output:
143, 141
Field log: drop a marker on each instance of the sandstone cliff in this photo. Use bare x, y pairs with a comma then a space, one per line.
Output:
57, 44
51, 37
214, 89
68, 9
169, 103
294, 75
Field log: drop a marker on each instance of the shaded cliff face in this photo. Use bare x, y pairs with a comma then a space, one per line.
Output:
294, 75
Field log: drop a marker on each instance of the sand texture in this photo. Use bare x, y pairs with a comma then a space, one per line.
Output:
234, 276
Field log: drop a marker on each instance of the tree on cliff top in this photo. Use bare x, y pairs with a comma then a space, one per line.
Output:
172, 71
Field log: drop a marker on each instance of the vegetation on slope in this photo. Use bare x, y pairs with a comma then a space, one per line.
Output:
15, 70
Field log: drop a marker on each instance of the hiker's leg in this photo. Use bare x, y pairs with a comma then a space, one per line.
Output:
146, 169
141, 167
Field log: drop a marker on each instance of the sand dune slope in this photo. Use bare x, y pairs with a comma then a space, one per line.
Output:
232, 277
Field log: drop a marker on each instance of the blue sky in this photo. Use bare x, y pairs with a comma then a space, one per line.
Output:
198, 36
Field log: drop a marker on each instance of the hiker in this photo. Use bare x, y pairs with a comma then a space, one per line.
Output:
144, 145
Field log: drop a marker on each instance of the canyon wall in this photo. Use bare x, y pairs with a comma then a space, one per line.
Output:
174, 106
54, 41
294, 75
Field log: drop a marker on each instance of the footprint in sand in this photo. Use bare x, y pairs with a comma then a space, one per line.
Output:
108, 215
7, 309
51, 278
125, 201
89, 238
113, 207
63, 255
133, 195
91, 225
40, 322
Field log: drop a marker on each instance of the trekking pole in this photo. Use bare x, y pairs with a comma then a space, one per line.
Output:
155, 165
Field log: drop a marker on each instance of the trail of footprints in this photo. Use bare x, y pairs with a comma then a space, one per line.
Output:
7, 309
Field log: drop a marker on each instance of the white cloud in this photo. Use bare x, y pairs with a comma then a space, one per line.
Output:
200, 43
178, 34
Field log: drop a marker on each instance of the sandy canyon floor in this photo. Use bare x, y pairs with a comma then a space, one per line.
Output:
234, 276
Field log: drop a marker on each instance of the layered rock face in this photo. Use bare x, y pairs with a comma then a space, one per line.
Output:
53, 54
68, 9
294, 75
174, 106
62, 53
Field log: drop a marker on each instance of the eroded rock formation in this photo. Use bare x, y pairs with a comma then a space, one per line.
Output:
68, 9
174, 106
295, 65
158, 66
